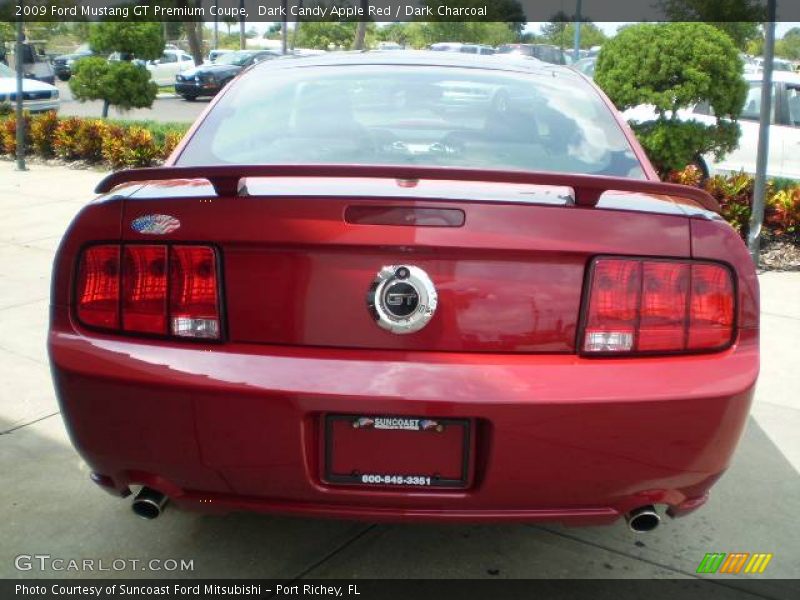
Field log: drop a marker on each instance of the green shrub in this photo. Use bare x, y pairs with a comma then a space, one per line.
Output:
691, 175
735, 196
8, 134
130, 147
114, 146
159, 129
674, 66
122, 144
783, 211
89, 139
121, 84
43, 129
144, 40
140, 147
171, 141
65, 142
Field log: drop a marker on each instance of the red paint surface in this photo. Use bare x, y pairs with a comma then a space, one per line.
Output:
239, 424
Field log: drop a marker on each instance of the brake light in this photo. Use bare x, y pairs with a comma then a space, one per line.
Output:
144, 289
651, 306
152, 289
711, 309
98, 287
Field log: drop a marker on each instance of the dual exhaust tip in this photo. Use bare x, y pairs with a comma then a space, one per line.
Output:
149, 504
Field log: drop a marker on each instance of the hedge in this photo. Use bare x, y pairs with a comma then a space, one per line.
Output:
735, 196
117, 144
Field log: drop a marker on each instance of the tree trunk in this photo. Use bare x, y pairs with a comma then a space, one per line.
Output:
297, 25
361, 28
194, 42
361, 32
242, 39
191, 27
105, 109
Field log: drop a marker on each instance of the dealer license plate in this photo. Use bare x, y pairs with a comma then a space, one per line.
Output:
397, 451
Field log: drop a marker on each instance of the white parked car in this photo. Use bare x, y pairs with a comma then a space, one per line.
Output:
37, 96
172, 62
784, 136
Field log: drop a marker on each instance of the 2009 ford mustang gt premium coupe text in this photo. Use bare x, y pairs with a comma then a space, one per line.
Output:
406, 286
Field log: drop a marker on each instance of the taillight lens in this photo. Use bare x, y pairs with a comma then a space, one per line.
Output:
665, 286
614, 305
711, 308
652, 306
194, 307
152, 289
98, 287
144, 289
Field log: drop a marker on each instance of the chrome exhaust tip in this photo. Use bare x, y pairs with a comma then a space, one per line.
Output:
643, 519
149, 503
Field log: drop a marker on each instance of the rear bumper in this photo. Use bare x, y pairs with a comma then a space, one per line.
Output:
37, 106
557, 437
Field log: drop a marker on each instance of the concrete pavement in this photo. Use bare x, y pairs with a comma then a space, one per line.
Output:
50, 507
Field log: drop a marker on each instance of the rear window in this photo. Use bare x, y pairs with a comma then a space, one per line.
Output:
413, 116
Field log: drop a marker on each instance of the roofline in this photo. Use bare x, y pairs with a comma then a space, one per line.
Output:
421, 58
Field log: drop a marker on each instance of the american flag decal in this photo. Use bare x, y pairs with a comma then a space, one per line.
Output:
155, 224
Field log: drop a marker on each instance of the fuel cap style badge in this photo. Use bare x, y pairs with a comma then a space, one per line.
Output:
402, 299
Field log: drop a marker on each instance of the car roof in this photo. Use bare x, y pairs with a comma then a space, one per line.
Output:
777, 76
425, 58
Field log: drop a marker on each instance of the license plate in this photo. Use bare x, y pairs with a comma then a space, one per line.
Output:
397, 451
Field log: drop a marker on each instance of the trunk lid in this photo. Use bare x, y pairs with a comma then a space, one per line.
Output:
507, 261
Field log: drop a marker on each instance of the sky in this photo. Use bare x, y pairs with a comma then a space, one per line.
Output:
608, 28
611, 28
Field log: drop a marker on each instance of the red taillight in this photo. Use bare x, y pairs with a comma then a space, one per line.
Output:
161, 290
144, 289
611, 322
662, 323
98, 287
194, 306
639, 305
711, 308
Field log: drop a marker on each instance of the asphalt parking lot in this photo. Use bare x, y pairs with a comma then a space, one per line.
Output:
50, 507
167, 107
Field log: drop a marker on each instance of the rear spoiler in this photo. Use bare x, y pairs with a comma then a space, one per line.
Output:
588, 188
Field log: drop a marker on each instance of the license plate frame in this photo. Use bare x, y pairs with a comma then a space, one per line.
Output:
436, 482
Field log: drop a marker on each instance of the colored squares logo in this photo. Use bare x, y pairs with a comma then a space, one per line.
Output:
734, 563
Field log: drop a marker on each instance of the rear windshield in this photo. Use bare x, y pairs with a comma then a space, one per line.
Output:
428, 116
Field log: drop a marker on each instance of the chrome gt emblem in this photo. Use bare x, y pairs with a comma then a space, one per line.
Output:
402, 299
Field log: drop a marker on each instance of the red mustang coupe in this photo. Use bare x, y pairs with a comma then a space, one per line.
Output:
406, 286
